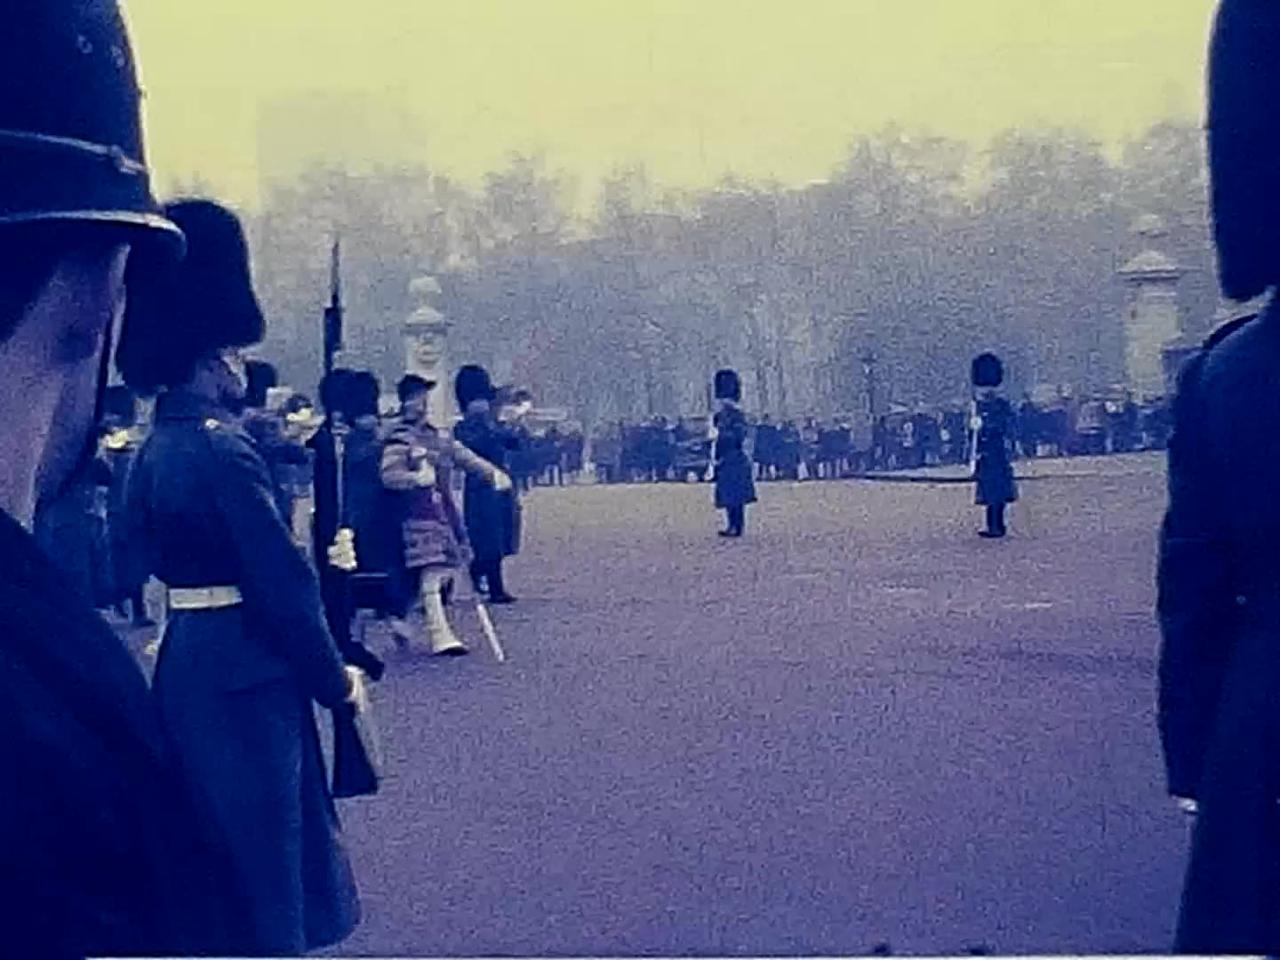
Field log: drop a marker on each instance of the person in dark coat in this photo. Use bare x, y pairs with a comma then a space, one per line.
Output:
246, 651
491, 514
735, 488
365, 502
764, 451
994, 427
101, 846
1029, 418
282, 453
1219, 570
330, 448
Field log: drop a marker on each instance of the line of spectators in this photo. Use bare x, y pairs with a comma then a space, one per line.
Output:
662, 449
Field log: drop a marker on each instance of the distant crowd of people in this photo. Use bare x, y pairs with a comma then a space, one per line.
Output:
663, 449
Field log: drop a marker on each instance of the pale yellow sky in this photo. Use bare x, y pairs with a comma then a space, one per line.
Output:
692, 88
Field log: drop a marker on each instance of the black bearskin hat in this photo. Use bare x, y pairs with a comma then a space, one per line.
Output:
205, 303
472, 383
365, 394
1244, 141
335, 390
261, 377
728, 386
987, 370
355, 393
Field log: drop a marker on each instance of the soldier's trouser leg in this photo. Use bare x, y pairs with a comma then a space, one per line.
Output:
440, 635
497, 585
737, 520
995, 518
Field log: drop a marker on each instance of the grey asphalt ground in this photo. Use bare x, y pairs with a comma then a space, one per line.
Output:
859, 725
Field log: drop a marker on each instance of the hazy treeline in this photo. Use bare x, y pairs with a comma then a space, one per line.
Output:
917, 248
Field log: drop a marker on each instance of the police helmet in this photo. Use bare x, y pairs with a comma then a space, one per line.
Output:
71, 144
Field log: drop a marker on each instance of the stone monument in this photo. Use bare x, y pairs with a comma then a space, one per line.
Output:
1153, 328
425, 334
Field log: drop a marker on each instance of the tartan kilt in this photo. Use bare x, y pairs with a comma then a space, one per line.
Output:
430, 543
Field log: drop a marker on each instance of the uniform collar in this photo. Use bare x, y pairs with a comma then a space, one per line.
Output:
184, 405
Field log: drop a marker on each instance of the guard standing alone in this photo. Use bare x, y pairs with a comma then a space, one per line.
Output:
735, 488
993, 431
492, 515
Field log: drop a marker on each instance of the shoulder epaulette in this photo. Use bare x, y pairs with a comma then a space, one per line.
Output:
1226, 328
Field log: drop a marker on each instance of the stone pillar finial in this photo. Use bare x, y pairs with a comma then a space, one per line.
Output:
426, 334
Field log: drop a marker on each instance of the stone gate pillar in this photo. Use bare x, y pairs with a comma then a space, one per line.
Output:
1152, 324
425, 337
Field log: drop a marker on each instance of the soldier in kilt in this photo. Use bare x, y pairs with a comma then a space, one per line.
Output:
417, 466
735, 488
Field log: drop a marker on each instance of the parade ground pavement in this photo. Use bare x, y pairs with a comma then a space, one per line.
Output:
860, 725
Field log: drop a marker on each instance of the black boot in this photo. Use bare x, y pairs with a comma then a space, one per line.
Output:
497, 588
736, 517
995, 523
728, 524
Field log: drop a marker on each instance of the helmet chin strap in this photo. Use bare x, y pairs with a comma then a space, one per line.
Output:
89, 450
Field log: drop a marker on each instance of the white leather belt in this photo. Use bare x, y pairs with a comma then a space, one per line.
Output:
204, 598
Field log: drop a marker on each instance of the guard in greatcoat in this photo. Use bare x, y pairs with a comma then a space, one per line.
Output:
735, 488
1219, 568
492, 516
246, 652
994, 428
332, 450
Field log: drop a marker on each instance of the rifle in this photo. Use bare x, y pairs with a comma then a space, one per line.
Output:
336, 581
973, 427
333, 312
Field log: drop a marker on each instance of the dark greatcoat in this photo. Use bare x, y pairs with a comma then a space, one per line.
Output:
735, 486
100, 842
367, 508
492, 516
994, 469
1219, 606
359, 447
235, 686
